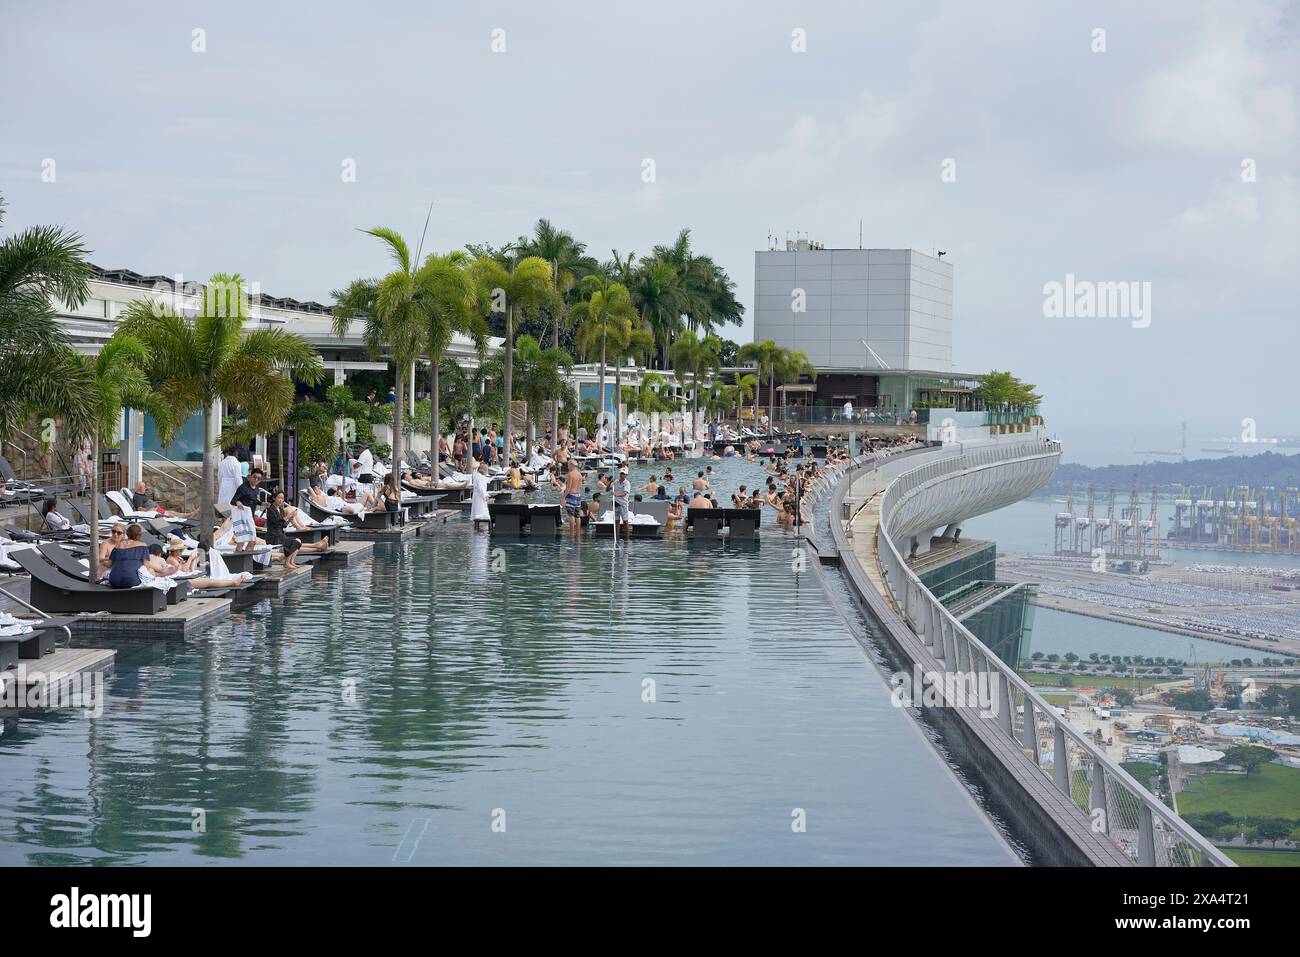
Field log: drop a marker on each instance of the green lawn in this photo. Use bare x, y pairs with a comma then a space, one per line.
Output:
1108, 680
1253, 857
1060, 699
1272, 791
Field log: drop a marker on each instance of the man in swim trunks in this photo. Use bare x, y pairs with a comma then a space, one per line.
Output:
573, 497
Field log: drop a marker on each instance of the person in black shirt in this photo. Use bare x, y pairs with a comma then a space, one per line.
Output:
246, 494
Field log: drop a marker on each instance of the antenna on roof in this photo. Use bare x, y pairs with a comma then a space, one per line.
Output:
859, 232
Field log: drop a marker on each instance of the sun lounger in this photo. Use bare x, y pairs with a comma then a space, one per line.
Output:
507, 519
704, 522
542, 519
53, 591
656, 508
240, 562
740, 522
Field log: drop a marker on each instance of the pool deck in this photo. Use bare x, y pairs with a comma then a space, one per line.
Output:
277, 581
348, 553
52, 676
174, 623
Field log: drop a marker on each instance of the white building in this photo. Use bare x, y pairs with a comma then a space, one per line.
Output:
826, 302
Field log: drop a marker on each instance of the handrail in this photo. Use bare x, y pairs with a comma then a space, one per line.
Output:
8, 594
1161, 837
145, 464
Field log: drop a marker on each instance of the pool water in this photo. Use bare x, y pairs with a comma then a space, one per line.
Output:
467, 700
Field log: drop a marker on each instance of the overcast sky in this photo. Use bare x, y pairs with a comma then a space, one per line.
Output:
1122, 165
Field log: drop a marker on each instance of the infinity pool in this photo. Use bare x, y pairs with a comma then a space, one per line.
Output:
462, 700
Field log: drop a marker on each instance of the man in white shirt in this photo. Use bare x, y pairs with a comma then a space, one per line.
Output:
229, 477
366, 466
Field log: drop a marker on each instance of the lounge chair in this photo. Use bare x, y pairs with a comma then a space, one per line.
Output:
704, 522
507, 519
37, 643
542, 519
70, 565
240, 562
53, 591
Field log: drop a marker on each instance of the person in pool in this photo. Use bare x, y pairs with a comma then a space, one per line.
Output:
573, 497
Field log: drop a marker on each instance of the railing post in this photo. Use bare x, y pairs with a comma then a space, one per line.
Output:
1146, 836
1029, 732
1006, 718
1098, 795
1060, 759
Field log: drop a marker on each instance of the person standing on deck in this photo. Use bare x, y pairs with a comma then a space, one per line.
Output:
622, 496
366, 466
478, 511
229, 477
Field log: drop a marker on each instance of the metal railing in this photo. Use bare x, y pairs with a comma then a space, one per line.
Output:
1121, 808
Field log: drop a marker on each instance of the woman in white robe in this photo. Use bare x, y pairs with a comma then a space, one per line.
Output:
478, 510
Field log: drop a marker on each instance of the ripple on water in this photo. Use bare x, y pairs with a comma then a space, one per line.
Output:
386, 713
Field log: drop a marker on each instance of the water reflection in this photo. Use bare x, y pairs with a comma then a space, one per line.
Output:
459, 681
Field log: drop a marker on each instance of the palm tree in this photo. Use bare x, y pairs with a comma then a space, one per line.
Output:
568, 260
542, 377
117, 379
475, 393
792, 364
39, 372
658, 296
608, 303
627, 341
448, 298
394, 316
746, 385
514, 291
765, 355
695, 358
193, 364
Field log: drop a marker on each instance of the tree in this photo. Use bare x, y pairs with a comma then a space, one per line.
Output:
511, 291
117, 379
659, 298
608, 304
568, 260
394, 315
695, 358
541, 376
449, 301
1248, 756
634, 341
193, 364
790, 366
39, 372
766, 355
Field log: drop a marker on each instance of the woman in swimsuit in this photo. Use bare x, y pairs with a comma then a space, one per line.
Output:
127, 558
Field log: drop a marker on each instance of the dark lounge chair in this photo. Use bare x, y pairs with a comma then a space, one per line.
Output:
542, 519
704, 522
507, 519
240, 562
741, 522
55, 592
66, 562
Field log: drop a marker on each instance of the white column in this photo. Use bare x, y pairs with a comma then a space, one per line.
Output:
132, 447
339, 375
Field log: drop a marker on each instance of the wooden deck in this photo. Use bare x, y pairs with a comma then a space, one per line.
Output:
398, 533
348, 553
55, 680
174, 623
277, 581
